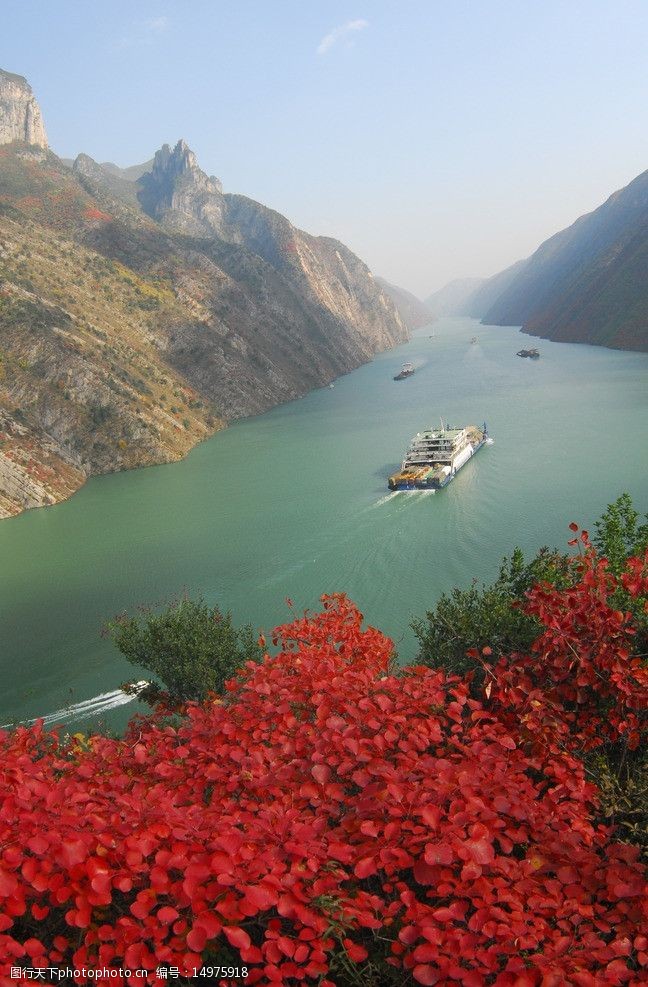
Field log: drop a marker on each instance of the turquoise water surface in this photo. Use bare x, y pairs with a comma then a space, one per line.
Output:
295, 504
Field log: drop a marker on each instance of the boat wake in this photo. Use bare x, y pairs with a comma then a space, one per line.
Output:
88, 708
385, 499
406, 494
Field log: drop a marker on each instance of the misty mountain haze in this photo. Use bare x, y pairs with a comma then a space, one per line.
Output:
587, 283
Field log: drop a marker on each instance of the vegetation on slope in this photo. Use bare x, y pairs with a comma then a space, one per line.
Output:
125, 340
333, 820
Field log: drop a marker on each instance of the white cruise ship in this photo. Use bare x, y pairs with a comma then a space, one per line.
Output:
435, 455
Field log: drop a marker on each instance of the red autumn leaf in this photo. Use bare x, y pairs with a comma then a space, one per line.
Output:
355, 952
38, 844
237, 937
321, 773
365, 867
167, 915
197, 938
431, 816
261, 897
72, 851
438, 853
8, 883
423, 973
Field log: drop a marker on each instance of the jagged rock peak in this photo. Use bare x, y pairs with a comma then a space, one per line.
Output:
182, 161
181, 196
20, 115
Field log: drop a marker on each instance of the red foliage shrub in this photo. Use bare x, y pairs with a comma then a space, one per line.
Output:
96, 214
582, 687
327, 818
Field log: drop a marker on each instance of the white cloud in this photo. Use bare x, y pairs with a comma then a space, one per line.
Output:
143, 33
339, 34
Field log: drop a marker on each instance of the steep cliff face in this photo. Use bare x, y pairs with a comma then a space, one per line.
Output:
138, 316
20, 116
587, 283
326, 274
179, 195
413, 312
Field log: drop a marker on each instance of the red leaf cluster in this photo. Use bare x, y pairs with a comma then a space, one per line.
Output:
329, 809
583, 686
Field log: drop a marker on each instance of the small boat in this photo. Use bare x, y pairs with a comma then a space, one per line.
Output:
406, 371
331, 386
474, 339
533, 354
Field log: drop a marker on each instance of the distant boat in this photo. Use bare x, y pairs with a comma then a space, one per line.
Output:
533, 354
331, 386
406, 371
474, 339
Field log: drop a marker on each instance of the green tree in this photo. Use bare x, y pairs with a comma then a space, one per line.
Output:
619, 534
192, 648
487, 615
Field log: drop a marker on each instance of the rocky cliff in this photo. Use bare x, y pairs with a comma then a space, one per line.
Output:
20, 116
587, 283
181, 196
411, 309
137, 316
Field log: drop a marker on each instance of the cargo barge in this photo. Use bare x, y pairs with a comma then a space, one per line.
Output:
436, 455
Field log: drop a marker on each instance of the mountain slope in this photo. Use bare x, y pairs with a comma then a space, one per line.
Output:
453, 298
588, 283
411, 309
484, 296
137, 316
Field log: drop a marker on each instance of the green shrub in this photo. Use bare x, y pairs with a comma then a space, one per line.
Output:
490, 615
484, 615
192, 648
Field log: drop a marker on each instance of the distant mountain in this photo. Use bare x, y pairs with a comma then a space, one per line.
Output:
489, 290
588, 283
454, 297
130, 174
411, 309
142, 309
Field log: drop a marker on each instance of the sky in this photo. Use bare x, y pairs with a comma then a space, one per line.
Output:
438, 139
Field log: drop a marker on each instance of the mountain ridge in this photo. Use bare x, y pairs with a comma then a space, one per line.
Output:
411, 309
587, 283
138, 315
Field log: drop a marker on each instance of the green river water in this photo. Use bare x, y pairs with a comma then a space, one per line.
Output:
295, 504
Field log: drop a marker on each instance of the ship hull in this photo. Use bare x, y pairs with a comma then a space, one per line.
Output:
434, 483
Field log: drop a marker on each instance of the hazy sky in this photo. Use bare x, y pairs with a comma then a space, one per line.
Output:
437, 139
